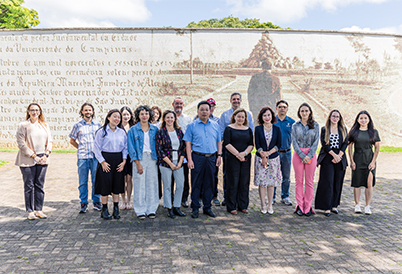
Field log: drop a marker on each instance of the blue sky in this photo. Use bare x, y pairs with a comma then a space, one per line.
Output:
350, 15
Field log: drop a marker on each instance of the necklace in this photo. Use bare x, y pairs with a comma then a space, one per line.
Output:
268, 128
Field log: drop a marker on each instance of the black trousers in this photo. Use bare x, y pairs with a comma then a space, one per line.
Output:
330, 183
237, 182
34, 180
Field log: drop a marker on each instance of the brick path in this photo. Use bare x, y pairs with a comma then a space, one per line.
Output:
68, 242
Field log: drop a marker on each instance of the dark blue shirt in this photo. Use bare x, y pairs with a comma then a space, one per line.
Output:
286, 130
203, 137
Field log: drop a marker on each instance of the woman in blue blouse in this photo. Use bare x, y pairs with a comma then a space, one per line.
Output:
110, 150
305, 137
142, 151
171, 151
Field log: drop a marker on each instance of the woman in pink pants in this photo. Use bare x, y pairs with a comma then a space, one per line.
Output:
305, 137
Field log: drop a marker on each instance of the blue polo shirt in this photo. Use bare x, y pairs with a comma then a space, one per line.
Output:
203, 137
286, 130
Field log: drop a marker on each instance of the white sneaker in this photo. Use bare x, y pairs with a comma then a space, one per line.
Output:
31, 216
40, 214
367, 210
358, 209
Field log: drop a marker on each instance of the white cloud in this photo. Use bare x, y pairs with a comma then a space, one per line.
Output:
88, 13
287, 11
387, 30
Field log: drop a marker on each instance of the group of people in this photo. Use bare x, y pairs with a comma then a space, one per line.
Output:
149, 152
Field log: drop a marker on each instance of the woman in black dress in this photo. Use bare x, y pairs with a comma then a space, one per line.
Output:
238, 141
334, 141
363, 137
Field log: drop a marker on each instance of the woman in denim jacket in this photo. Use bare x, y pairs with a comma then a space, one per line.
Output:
142, 151
305, 137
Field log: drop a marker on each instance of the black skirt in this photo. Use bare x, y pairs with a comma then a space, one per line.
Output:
110, 182
128, 168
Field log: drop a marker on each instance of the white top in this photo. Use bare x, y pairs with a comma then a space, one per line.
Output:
184, 121
147, 143
175, 144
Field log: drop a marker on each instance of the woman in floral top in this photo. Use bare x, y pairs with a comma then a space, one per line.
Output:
170, 148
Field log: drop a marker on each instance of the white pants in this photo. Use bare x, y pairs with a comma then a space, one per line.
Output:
145, 198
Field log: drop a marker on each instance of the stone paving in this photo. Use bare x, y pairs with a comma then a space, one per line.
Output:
69, 242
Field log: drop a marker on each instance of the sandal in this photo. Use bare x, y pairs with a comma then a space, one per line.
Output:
234, 212
245, 211
123, 206
129, 205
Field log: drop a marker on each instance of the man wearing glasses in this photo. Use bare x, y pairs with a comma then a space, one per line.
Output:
285, 152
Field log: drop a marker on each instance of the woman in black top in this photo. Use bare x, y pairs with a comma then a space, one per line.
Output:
238, 141
334, 141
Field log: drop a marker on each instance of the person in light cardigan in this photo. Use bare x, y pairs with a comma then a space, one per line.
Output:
35, 144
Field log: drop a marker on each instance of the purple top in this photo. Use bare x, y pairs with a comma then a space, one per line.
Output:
113, 142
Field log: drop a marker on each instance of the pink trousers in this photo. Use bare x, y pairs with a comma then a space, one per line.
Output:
304, 199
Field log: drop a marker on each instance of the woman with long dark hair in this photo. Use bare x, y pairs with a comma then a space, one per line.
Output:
305, 138
267, 167
35, 144
110, 150
171, 151
142, 150
334, 141
362, 137
127, 122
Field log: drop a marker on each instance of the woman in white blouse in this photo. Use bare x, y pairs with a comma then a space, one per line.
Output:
34, 143
111, 152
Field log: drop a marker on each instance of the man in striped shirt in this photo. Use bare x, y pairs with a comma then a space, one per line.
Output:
82, 137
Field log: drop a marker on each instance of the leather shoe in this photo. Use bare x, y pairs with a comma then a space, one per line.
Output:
224, 203
210, 213
327, 214
308, 214
170, 213
116, 213
194, 214
334, 210
184, 204
299, 212
177, 211
105, 214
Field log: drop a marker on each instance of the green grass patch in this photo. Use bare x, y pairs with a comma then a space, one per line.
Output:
2, 163
390, 149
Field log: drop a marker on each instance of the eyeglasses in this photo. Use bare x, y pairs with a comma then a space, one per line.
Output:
34, 110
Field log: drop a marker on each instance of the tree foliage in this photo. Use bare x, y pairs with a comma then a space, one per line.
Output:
232, 22
15, 16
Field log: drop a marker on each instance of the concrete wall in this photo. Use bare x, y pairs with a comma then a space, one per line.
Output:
63, 68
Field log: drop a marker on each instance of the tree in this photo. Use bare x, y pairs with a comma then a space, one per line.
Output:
15, 16
232, 22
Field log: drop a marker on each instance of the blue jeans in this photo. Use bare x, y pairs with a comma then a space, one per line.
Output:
286, 164
84, 166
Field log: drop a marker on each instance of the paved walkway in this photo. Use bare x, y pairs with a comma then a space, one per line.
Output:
68, 242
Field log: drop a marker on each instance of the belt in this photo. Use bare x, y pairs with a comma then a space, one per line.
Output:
207, 155
284, 150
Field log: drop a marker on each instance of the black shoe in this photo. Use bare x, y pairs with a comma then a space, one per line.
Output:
327, 214
224, 203
116, 213
309, 213
170, 213
151, 216
299, 212
141, 217
210, 213
184, 204
335, 211
177, 211
105, 214
194, 214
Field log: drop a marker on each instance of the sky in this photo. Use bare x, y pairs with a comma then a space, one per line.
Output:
380, 16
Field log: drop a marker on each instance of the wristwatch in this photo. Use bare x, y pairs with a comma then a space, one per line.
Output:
220, 154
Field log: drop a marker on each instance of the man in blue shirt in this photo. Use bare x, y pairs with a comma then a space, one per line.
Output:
204, 151
82, 137
285, 153
224, 121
